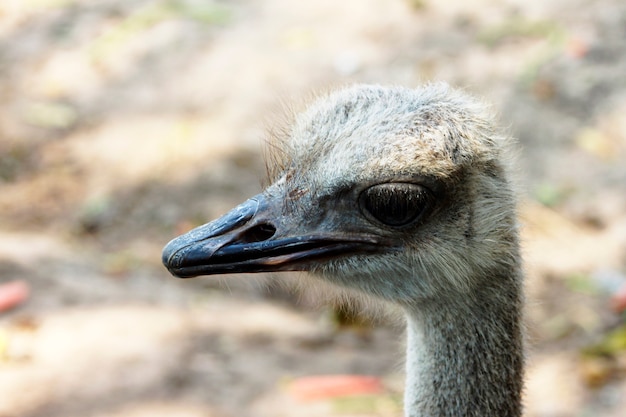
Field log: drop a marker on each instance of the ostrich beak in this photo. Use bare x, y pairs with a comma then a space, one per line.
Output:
257, 236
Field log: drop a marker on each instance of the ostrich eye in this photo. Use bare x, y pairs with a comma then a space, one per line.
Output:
395, 204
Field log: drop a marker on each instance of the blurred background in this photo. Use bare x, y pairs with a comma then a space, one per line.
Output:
126, 122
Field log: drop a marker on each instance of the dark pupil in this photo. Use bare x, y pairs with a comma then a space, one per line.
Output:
395, 204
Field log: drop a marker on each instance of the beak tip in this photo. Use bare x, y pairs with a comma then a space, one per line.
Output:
195, 245
168, 256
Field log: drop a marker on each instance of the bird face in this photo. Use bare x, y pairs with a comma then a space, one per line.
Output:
374, 193
355, 238
267, 233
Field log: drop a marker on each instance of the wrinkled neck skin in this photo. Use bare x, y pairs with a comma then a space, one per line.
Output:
465, 354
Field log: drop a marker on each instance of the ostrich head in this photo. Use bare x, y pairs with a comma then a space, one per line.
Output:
395, 192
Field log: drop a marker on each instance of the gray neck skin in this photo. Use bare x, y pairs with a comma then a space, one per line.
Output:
465, 355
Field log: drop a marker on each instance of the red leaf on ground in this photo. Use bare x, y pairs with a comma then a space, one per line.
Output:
12, 294
331, 386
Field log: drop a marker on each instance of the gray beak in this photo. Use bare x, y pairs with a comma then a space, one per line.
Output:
257, 237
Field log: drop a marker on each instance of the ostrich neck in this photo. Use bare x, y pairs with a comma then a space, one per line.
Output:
465, 355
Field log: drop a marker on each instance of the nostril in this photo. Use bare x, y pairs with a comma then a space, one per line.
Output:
258, 233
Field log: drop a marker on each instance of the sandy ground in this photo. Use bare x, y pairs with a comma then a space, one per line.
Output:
123, 123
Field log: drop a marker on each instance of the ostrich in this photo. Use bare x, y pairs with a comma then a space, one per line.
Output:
403, 195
